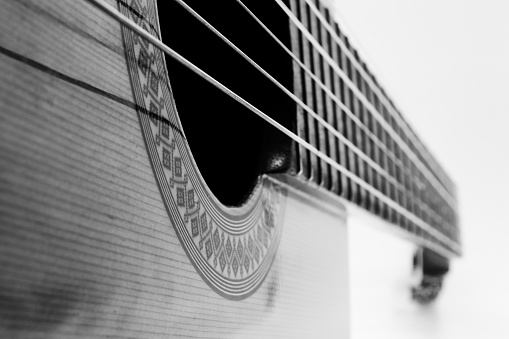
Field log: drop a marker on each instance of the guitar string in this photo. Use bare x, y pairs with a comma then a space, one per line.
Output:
381, 94
194, 68
424, 206
297, 100
320, 120
379, 143
108, 9
359, 95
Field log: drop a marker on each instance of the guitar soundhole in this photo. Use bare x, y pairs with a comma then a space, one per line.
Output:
231, 145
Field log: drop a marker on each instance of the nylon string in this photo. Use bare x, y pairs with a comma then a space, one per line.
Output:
320, 120
114, 13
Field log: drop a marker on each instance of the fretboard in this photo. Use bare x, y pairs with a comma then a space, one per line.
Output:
385, 168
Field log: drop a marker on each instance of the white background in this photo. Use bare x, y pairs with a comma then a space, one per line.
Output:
446, 66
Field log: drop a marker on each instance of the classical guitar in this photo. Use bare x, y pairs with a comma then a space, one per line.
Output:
184, 169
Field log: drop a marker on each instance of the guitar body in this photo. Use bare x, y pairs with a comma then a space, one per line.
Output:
107, 227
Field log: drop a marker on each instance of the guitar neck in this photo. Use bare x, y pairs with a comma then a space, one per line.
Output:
384, 167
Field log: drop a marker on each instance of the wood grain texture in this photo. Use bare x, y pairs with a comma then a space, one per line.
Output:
86, 245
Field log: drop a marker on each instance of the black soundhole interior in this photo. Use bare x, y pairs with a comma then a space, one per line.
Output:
231, 145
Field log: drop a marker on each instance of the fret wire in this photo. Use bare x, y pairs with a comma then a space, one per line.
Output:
356, 135
380, 91
319, 104
348, 133
434, 180
376, 150
364, 135
108, 9
304, 157
390, 165
329, 103
385, 161
307, 96
372, 132
339, 115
